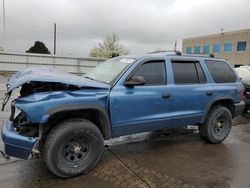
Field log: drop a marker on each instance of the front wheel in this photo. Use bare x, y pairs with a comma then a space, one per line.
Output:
73, 147
217, 125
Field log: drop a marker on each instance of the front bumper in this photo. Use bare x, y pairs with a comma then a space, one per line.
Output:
238, 108
15, 144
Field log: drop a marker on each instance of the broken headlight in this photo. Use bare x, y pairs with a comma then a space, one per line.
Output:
21, 123
18, 116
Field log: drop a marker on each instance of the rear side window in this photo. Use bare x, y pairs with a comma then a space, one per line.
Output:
154, 72
188, 72
220, 71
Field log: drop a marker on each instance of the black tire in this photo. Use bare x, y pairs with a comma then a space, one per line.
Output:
202, 132
73, 147
217, 126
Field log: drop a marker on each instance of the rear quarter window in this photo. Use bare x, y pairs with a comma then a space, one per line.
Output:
220, 71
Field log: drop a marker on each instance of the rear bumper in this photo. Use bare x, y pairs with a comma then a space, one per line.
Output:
238, 108
16, 145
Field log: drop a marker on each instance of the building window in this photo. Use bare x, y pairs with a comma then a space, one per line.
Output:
189, 50
206, 49
197, 49
228, 47
216, 47
241, 46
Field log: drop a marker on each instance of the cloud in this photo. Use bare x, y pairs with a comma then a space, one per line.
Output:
141, 25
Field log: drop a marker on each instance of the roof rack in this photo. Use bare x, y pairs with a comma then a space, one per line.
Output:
179, 53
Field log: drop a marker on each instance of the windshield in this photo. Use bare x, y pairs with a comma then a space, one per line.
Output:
109, 70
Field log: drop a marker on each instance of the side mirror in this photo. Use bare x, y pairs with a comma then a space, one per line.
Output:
135, 81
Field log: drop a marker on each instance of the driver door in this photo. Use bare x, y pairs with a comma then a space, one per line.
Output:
141, 108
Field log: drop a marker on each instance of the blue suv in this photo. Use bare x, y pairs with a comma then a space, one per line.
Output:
66, 118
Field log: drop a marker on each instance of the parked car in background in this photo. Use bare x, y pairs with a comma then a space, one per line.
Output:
244, 74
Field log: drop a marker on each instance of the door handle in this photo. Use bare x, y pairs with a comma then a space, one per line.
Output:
209, 93
165, 95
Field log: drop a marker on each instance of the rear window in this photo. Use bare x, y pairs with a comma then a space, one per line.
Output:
220, 71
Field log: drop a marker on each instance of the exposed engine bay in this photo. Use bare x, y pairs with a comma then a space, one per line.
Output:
35, 87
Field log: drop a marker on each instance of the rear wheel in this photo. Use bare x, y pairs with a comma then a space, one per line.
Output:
73, 147
217, 126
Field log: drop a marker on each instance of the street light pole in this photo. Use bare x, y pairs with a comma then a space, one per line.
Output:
54, 38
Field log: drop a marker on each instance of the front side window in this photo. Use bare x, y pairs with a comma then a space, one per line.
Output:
154, 72
220, 71
188, 72
241, 46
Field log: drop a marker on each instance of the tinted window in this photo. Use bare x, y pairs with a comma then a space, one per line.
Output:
188, 72
241, 46
201, 75
220, 71
154, 73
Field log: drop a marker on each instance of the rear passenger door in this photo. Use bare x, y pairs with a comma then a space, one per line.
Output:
190, 92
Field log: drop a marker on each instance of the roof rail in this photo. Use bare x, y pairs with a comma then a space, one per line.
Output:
200, 55
166, 51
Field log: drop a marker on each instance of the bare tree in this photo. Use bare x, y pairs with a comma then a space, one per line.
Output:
110, 47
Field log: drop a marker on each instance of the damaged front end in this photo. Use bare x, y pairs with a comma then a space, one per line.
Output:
41, 89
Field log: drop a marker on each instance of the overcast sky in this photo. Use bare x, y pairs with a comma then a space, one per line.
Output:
142, 25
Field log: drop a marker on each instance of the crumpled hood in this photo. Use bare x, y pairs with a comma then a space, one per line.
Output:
46, 74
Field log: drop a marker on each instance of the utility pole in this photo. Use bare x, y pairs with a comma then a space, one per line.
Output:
54, 38
4, 25
222, 31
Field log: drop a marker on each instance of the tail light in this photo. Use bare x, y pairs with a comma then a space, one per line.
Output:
242, 97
